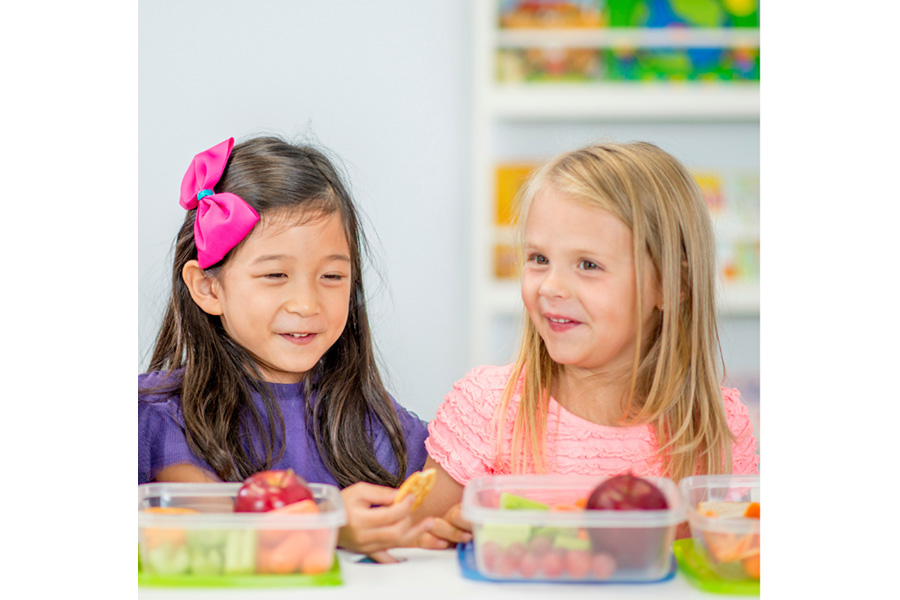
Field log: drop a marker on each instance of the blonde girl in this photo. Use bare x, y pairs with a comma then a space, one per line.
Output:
618, 363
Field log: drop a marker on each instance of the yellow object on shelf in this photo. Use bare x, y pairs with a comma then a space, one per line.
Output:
510, 178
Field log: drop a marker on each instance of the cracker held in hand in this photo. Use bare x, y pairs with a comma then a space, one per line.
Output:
418, 484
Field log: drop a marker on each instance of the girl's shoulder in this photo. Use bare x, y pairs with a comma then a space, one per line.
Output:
477, 394
485, 378
155, 383
734, 405
158, 394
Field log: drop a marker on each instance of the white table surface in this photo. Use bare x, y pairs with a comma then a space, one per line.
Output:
430, 575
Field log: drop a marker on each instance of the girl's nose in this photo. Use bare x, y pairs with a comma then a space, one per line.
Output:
554, 285
304, 301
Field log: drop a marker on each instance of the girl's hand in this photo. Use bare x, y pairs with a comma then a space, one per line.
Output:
374, 524
450, 530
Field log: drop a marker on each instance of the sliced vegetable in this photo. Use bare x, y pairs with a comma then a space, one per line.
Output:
513, 502
167, 560
206, 561
240, 552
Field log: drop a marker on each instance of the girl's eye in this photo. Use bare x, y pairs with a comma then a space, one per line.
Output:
333, 277
275, 275
538, 259
588, 265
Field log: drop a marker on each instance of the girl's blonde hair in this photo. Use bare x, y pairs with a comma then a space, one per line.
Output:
675, 383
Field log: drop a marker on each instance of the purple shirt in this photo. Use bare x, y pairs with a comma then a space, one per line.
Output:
162, 443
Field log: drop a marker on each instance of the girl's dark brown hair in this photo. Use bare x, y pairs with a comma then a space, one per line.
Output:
344, 391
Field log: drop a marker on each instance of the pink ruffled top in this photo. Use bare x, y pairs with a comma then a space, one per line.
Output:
463, 436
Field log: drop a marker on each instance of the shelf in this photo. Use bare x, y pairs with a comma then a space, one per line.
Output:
641, 100
621, 37
504, 297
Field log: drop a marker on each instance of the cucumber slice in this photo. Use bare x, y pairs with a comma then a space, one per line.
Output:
206, 538
504, 534
512, 502
168, 560
206, 562
571, 542
240, 552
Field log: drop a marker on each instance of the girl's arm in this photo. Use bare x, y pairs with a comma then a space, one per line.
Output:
445, 493
186, 473
443, 501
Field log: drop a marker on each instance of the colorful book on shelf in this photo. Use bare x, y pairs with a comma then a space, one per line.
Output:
568, 14
684, 53
557, 14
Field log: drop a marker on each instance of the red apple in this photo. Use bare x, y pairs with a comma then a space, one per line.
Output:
627, 492
636, 547
268, 490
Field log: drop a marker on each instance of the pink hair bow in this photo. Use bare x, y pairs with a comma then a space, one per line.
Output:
223, 219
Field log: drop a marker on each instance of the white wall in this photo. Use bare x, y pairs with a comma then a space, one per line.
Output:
384, 85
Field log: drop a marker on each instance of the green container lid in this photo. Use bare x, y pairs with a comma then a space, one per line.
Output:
697, 570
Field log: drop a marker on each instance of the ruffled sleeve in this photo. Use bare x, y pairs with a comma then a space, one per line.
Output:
462, 437
744, 458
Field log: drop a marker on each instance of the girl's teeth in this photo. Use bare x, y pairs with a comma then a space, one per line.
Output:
298, 335
559, 320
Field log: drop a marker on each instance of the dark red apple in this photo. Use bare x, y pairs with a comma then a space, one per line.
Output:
630, 547
627, 492
267, 490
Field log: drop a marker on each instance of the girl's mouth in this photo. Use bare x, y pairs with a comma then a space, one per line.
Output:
560, 324
299, 338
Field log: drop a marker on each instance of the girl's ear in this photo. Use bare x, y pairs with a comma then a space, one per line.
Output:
202, 287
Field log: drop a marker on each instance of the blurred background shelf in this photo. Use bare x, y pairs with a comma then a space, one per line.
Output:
644, 100
646, 37
551, 76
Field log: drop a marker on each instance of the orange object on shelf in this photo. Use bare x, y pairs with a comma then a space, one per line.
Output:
752, 510
505, 265
509, 179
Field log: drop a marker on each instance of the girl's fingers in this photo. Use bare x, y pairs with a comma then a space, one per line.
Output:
383, 557
368, 494
454, 518
430, 541
374, 517
449, 532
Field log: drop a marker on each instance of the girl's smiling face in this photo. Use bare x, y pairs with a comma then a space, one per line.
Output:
284, 295
579, 284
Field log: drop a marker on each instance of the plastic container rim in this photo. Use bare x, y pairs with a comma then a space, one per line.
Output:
480, 515
718, 524
334, 516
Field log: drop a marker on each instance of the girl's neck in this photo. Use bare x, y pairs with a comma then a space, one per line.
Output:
594, 397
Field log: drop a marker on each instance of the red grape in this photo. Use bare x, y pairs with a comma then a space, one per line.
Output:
540, 545
578, 563
507, 564
517, 550
552, 563
489, 552
529, 565
602, 565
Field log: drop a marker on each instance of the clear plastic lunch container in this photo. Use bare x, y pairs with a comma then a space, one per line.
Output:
726, 539
532, 527
189, 535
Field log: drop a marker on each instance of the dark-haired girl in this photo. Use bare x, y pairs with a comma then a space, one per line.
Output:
264, 359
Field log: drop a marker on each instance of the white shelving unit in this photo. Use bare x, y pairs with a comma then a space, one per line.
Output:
523, 103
